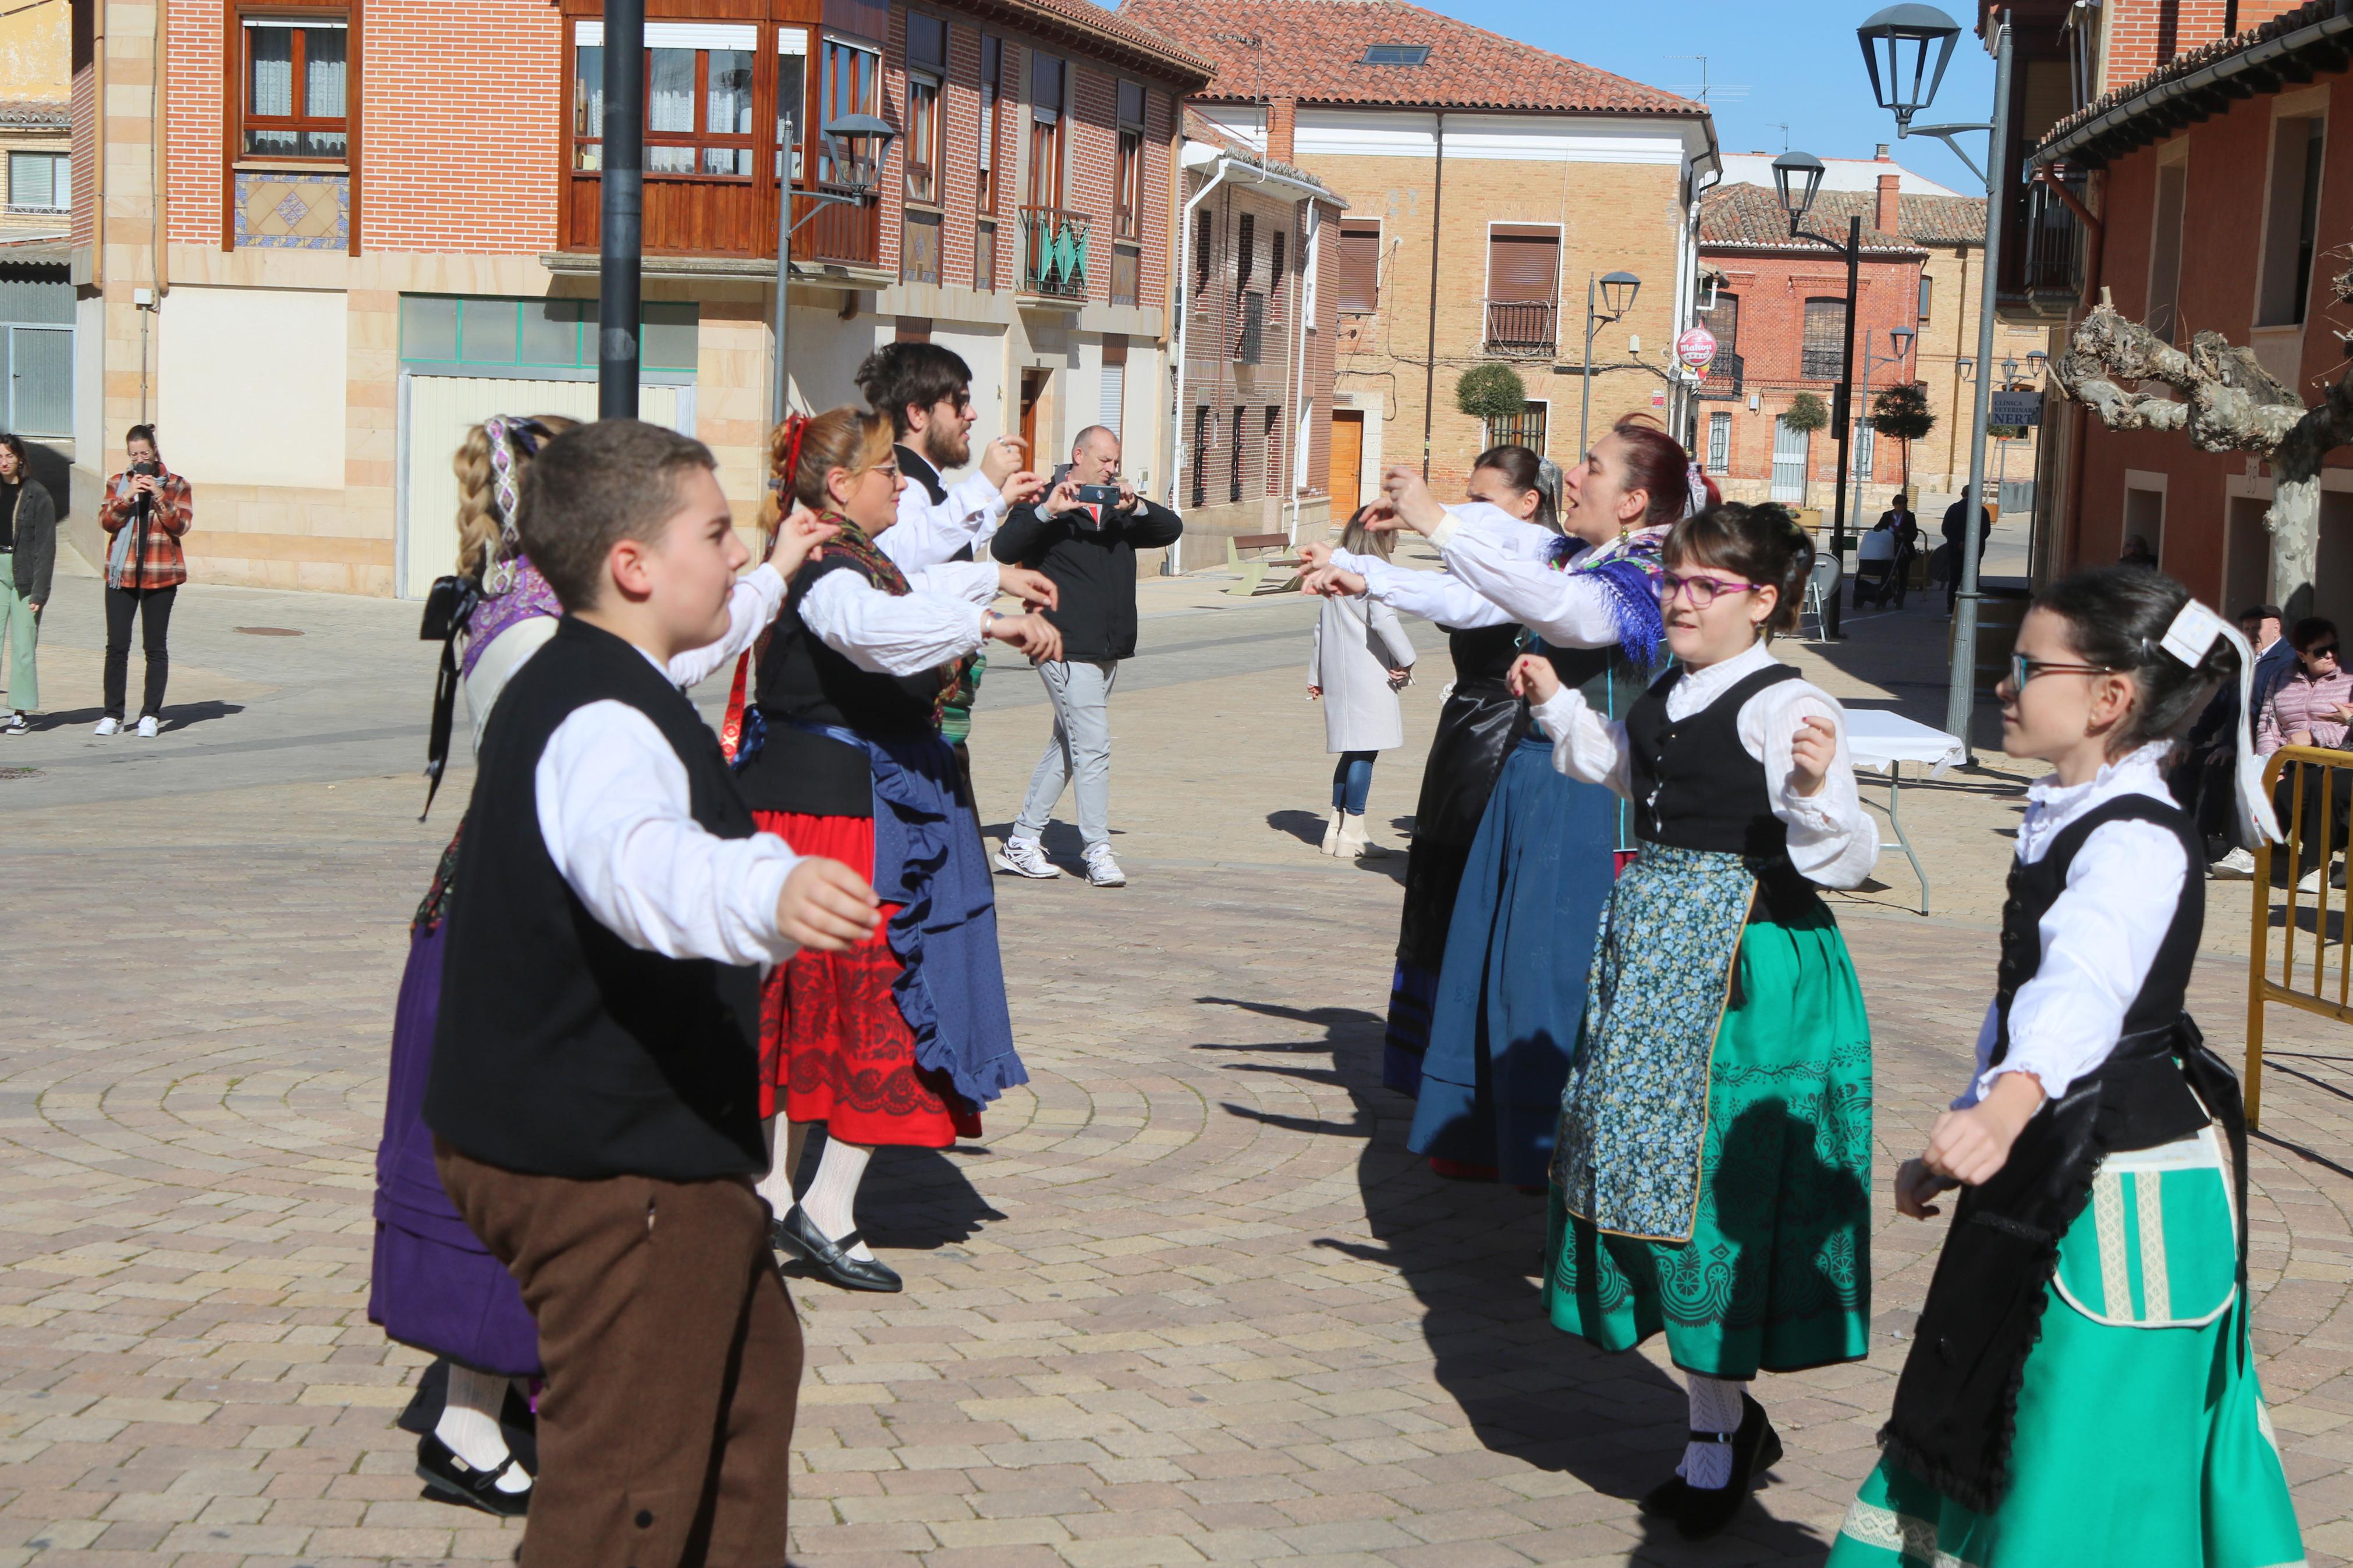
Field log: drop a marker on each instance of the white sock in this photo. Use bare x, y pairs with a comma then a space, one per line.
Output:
1714, 1407
831, 1200
777, 1186
470, 1424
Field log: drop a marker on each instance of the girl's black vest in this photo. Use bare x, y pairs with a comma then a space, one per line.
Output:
562, 1050
1956, 1404
1696, 787
800, 678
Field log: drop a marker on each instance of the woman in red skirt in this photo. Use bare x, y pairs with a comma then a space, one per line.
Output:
903, 1039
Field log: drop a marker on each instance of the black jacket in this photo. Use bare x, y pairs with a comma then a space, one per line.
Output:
1093, 566
1954, 525
35, 540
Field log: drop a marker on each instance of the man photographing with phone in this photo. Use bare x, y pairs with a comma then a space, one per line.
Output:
1083, 536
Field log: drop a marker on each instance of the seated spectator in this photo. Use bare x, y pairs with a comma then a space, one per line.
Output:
2136, 553
2309, 708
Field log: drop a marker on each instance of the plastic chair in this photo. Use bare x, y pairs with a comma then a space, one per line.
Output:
1821, 584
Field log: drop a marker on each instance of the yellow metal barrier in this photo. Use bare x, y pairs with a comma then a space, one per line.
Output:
2316, 792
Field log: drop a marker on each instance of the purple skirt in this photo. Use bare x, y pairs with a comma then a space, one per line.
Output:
433, 1285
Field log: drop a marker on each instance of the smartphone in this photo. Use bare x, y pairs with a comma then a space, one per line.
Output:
1099, 495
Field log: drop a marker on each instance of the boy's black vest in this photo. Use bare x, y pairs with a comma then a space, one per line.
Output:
562, 1050
1956, 1404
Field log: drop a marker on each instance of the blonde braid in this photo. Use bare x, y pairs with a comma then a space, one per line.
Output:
487, 464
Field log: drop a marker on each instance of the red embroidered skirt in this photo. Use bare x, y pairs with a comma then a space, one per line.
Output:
833, 1045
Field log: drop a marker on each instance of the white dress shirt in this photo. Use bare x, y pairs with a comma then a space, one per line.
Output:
901, 634
1436, 597
927, 534
614, 814
1504, 564
2101, 935
1831, 841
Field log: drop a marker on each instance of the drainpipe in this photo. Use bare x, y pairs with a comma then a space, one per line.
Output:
1299, 365
1429, 354
1184, 340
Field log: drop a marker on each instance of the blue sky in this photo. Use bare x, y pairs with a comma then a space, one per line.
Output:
1772, 61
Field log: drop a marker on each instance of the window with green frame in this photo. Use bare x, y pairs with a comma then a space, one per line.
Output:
459, 334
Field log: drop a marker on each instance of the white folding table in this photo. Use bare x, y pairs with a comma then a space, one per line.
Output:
1879, 740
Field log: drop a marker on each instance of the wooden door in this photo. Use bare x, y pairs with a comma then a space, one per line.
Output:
1033, 388
1347, 462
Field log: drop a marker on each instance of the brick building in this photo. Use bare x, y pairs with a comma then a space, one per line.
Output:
1486, 180
371, 222
1256, 319
1777, 308
2208, 166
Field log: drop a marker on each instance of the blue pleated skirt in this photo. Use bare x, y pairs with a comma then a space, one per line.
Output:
1511, 992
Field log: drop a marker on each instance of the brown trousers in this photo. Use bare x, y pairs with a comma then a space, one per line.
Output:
673, 1361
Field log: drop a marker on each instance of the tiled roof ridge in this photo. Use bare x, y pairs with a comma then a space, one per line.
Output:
2187, 64
1113, 25
1575, 86
1750, 217
1203, 129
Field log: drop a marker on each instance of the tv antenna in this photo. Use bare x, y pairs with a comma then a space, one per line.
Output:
1706, 91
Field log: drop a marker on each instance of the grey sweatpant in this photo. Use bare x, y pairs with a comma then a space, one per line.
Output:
1079, 752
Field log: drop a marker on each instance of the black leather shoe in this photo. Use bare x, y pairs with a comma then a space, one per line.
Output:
448, 1479
1756, 1448
798, 1234
1665, 1500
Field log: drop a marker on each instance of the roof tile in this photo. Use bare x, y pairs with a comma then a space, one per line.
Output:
1312, 51
1752, 217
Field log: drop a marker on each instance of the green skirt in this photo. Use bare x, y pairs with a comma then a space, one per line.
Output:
1776, 1274
2142, 1441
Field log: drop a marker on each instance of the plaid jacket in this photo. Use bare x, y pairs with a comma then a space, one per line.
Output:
155, 562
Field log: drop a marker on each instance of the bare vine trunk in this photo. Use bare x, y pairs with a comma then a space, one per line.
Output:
2225, 401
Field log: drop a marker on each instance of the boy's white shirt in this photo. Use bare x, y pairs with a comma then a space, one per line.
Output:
614, 814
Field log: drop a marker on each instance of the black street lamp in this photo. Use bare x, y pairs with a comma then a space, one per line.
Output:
1616, 297
1797, 176
856, 146
621, 207
1897, 47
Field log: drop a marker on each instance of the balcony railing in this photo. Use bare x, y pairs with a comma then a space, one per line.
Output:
1054, 252
1522, 327
2052, 257
849, 233
1723, 375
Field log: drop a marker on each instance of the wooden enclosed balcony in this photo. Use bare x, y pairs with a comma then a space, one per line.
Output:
732, 217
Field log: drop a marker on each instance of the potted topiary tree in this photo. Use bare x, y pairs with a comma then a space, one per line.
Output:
1901, 412
1491, 392
1807, 413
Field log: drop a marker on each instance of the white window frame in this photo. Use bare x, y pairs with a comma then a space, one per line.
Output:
1719, 442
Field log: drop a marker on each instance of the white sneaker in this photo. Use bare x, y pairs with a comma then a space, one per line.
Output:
2235, 867
1024, 859
1102, 871
2310, 882
18, 724
109, 726
148, 728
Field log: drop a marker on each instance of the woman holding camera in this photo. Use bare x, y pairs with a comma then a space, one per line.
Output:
146, 512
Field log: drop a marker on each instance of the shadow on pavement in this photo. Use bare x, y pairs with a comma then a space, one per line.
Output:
1305, 825
913, 1200
1472, 1253
175, 716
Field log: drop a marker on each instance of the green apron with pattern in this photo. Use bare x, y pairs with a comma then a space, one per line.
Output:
2141, 1438
1712, 1174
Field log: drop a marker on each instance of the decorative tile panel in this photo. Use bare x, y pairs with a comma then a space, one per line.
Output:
293, 211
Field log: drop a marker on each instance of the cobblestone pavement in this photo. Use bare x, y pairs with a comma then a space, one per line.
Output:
1187, 1299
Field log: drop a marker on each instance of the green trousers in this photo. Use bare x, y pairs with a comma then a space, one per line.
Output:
19, 626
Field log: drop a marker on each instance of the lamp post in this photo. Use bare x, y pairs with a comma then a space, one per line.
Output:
1797, 176
1617, 291
621, 205
1898, 44
856, 145
1900, 337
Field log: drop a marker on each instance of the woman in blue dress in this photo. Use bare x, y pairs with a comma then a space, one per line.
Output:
1511, 988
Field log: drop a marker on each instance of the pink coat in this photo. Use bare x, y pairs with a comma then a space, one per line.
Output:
2304, 703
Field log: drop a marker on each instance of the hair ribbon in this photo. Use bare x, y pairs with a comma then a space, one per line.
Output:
2189, 639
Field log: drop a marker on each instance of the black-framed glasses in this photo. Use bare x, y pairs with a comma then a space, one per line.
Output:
2023, 668
1703, 590
2321, 650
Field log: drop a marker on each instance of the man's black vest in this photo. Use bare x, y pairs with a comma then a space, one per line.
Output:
562, 1050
